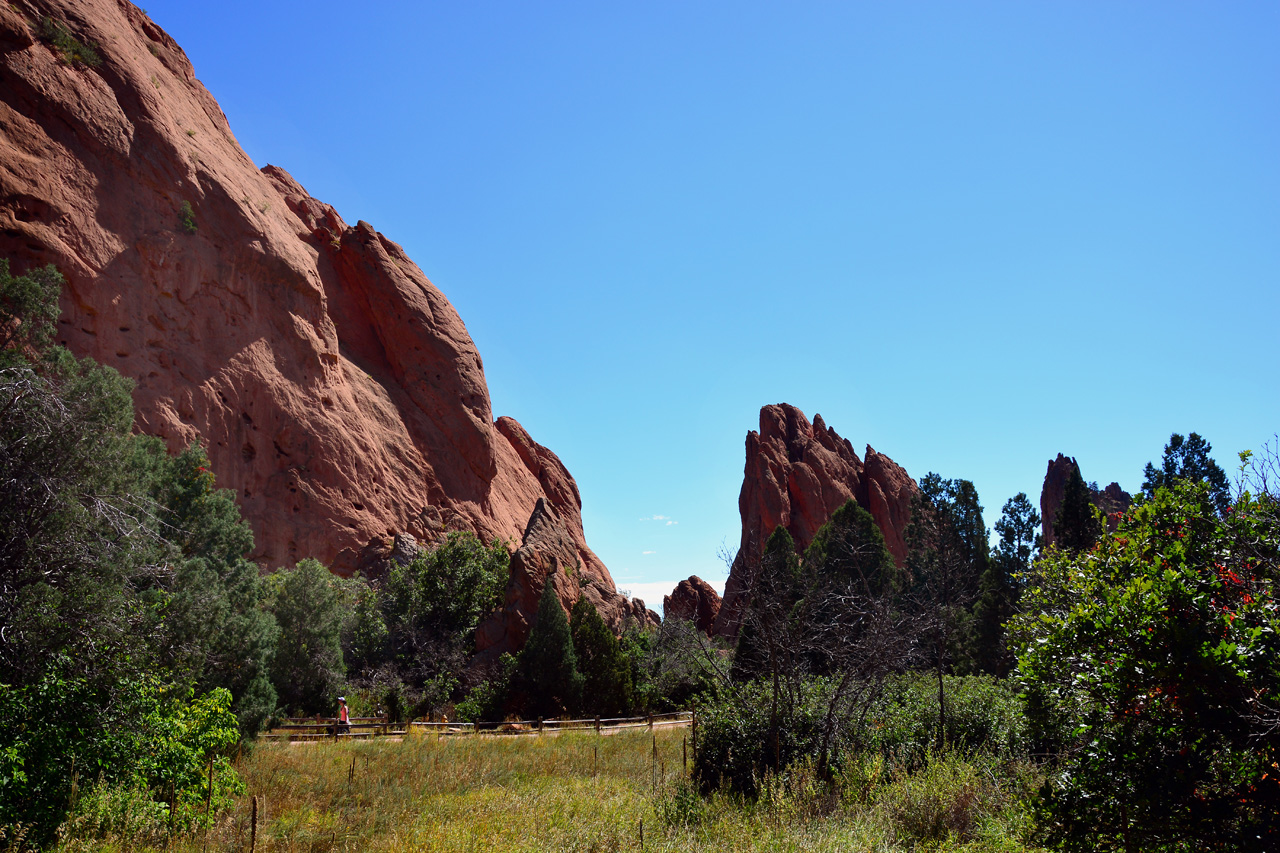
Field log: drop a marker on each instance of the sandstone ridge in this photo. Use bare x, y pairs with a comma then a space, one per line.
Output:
336, 388
1110, 500
797, 474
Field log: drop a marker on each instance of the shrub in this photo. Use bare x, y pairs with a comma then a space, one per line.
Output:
69, 48
187, 218
984, 716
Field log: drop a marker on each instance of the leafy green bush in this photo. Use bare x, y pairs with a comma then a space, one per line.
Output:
1157, 651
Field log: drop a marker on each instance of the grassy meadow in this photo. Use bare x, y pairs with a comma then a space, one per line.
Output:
586, 792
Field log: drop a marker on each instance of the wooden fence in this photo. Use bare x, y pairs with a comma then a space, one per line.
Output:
319, 728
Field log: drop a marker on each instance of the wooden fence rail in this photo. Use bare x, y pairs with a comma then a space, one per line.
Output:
316, 728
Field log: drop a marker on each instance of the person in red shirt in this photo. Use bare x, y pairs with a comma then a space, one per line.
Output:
344, 719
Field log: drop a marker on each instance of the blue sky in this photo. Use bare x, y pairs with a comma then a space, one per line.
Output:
973, 235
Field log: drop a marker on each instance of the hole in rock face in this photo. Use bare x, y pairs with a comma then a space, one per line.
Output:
359, 506
122, 354
327, 402
248, 453
245, 417
124, 328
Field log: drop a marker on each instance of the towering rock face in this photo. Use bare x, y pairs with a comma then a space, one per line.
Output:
797, 474
336, 389
693, 600
1110, 500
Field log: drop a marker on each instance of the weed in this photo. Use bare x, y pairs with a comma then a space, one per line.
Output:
191, 133
264, 206
69, 48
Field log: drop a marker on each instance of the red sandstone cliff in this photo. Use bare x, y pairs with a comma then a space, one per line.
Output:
1110, 500
337, 390
797, 474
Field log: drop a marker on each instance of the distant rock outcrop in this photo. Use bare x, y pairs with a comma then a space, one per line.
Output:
337, 390
797, 474
1110, 500
693, 600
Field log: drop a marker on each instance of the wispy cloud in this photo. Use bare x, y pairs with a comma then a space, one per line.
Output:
666, 519
648, 552
669, 523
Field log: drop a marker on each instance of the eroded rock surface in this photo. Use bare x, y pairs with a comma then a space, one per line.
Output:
337, 390
693, 600
797, 474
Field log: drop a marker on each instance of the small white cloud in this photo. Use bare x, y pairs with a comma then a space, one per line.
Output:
665, 518
648, 552
669, 523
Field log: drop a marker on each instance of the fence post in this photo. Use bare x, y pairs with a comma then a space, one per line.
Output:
253, 828
597, 724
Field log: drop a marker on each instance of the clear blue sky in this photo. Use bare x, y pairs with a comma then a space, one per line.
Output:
973, 235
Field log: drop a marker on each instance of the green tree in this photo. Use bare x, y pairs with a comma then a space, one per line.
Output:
1076, 527
1001, 585
607, 686
308, 669
220, 634
432, 606
547, 668
947, 557
1188, 459
1156, 655
28, 312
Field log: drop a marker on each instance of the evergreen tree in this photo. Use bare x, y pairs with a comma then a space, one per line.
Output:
28, 312
1019, 530
1076, 528
947, 557
308, 669
221, 635
1188, 459
547, 668
607, 686
774, 588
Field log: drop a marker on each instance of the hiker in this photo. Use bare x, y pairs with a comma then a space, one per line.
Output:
344, 719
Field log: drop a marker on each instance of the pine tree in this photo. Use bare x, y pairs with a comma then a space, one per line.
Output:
1188, 459
1076, 528
547, 667
606, 671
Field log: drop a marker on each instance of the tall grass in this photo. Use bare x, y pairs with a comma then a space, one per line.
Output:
586, 792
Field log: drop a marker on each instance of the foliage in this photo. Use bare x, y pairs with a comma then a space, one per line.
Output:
607, 687
985, 716
28, 312
221, 635
485, 702
69, 48
675, 665
307, 669
1077, 525
1001, 584
547, 668
738, 741
1157, 652
432, 607
1188, 459
187, 218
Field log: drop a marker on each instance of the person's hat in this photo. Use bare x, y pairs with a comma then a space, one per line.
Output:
342, 698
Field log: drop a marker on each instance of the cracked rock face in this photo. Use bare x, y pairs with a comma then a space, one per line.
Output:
797, 474
337, 390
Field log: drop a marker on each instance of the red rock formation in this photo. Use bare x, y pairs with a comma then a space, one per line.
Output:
550, 554
694, 600
1110, 500
797, 474
337, 390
